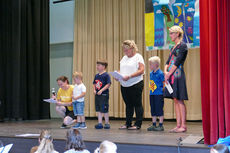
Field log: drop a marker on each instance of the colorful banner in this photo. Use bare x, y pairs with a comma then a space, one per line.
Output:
169, 21
189, 9
159, 26
196, 30
149, 29
160, 17
178, 17
183, 1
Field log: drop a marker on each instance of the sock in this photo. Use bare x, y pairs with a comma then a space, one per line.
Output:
160, 124
154, 123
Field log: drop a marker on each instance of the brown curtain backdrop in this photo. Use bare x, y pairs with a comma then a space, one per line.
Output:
100, 28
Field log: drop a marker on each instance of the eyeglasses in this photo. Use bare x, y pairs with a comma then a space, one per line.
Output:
171, 33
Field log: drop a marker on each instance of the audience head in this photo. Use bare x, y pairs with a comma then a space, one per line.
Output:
219, 148
46, 145
74, 140
106, 147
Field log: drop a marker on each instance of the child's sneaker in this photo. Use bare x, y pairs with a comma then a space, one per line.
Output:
83, 126
107, 126
151, 128
99, 126
63, 126
159, 128
77, 126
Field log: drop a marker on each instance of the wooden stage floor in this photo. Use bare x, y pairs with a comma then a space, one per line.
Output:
189, 139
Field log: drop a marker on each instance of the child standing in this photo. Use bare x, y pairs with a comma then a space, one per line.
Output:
156, 94
101, 86
79, 92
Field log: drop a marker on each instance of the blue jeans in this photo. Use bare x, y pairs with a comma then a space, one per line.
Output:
78, 108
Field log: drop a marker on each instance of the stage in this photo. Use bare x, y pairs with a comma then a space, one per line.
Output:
190, 139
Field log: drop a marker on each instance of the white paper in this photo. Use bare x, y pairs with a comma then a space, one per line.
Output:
6, 149
51, 100
117, 75
169, 88
27, 135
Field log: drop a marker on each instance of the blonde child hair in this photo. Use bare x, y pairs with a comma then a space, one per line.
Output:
106, 147
77, 75
130, 44
155, 59
46, 145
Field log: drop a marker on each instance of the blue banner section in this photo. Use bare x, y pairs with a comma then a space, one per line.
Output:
178, 17
196, 30
189, 9
159, 26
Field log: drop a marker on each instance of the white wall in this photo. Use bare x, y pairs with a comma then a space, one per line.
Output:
61, 63
61, 22
61, 43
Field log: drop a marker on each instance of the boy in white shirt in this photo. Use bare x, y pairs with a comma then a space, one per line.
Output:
79, 92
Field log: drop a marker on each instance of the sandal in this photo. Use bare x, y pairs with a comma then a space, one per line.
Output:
174, 129
123, 127
134, 128
181, 130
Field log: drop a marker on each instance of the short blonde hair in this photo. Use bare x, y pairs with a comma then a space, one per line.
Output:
77, 75
130, 44
155, 59
177, 29
106, 147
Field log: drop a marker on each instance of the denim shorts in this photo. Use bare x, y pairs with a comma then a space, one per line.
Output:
78, 108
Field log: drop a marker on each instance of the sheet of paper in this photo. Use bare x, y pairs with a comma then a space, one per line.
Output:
116, 75
6, 149
169, 88
50, 100
27, 135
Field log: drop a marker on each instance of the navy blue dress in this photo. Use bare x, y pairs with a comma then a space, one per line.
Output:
177, 80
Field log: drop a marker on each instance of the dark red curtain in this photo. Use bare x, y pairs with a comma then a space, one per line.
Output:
215, 68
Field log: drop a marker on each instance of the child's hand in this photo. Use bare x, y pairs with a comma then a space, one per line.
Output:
95, 92
99, 92
74, 98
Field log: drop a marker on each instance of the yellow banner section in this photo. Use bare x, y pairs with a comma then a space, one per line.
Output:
149, 29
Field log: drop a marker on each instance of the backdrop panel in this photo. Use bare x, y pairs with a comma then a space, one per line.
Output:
100, 28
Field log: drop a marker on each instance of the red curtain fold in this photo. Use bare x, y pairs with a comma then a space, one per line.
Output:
215, 68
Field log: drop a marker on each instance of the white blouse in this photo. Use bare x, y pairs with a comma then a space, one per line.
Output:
129, 66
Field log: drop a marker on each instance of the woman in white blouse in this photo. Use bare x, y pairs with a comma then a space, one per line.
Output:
132, 69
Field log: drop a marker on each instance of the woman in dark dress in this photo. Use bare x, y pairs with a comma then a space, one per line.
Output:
174, 74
